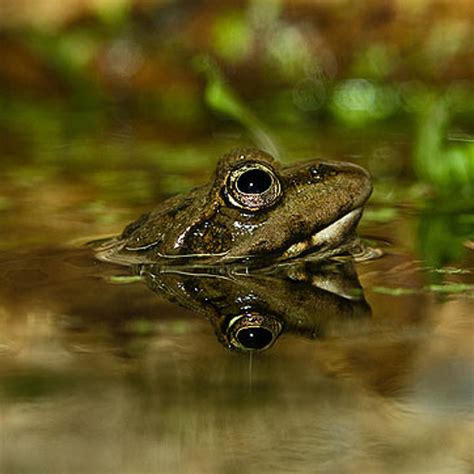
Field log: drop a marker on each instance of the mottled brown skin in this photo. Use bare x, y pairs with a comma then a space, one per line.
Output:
206, 226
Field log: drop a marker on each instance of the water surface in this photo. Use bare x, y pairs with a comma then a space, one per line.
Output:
100, 374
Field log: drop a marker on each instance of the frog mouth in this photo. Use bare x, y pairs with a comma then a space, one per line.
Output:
336, 238
332, 239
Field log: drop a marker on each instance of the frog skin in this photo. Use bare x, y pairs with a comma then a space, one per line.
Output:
254, 211
249, 311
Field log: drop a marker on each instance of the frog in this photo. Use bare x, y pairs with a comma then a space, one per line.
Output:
254, 211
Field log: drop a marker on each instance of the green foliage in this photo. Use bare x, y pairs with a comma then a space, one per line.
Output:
359, 101
114, 14
377, 61
232, 36
222, 98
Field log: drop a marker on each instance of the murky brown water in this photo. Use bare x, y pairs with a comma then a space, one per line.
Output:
100, 374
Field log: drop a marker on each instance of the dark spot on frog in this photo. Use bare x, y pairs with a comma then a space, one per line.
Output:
133, 226
181, 206
209, 233
170, 213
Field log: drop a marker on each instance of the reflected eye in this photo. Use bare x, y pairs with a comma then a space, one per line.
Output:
253, 331
254, 338
253, 186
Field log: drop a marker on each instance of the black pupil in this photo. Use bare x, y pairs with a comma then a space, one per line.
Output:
254, 338
254, 182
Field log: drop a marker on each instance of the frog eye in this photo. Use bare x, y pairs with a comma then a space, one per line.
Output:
253, 332
253, 186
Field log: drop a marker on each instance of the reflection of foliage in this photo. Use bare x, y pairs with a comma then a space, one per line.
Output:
447, 168
447, 222
441, 236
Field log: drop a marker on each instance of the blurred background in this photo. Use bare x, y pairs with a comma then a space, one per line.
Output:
107, 106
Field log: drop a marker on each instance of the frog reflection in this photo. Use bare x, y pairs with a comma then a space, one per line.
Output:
249, 311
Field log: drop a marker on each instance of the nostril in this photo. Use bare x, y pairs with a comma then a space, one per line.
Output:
317, 172
320, 171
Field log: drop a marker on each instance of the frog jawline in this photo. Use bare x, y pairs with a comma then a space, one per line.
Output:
327, 239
